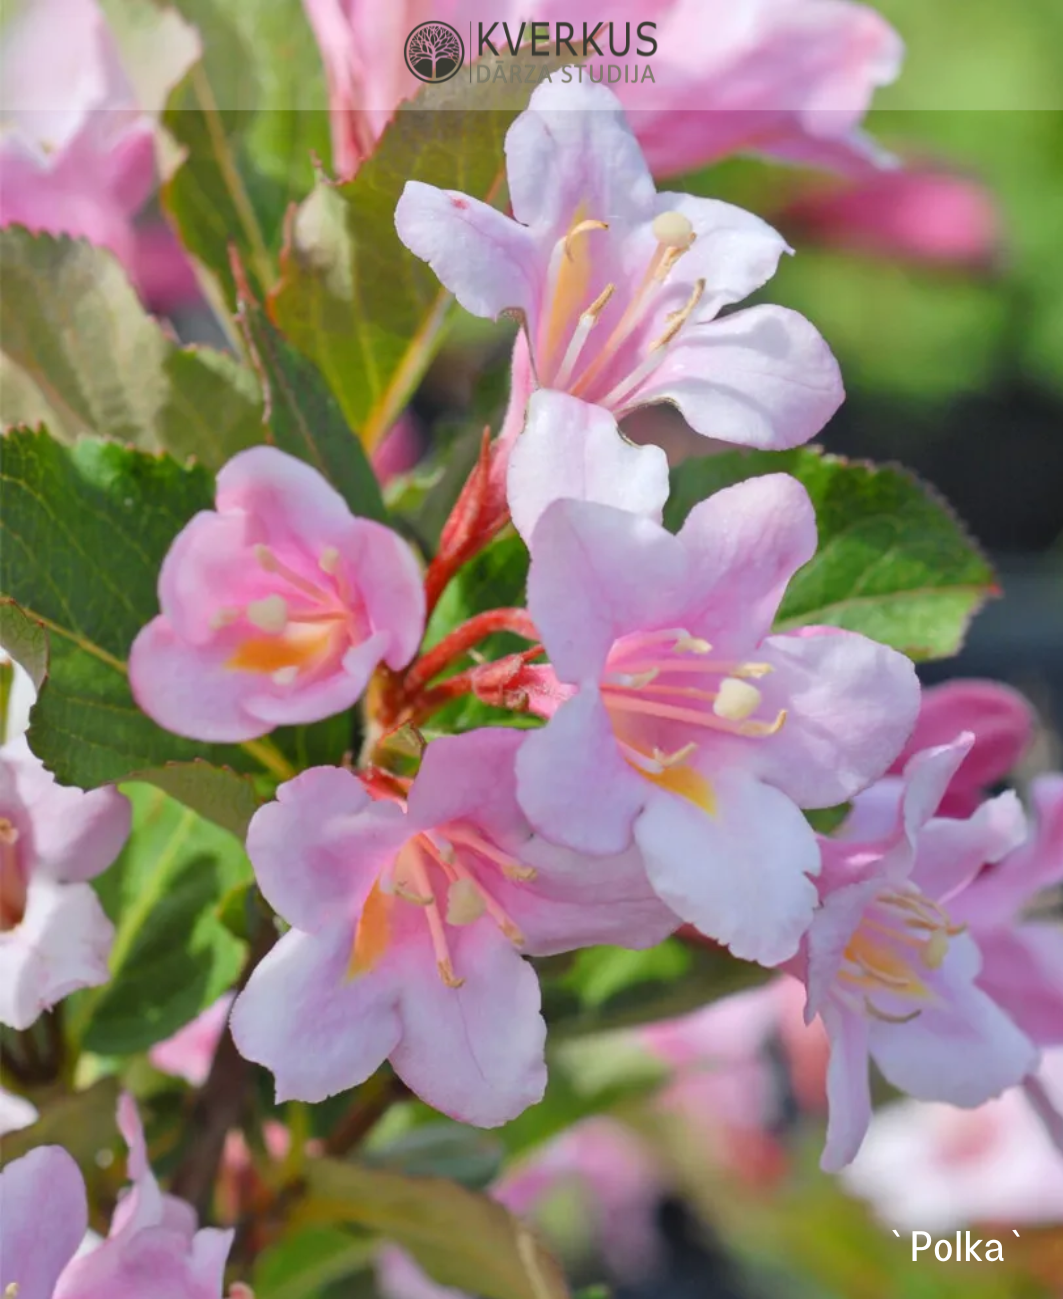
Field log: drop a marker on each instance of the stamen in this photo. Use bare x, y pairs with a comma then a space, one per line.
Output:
736, 700
465, 902
329, 560
224, 617
408, 895
886, 1017
285, 676
677, 319
446, 972
9, 834
624, 702
584, 325
657, 349
269, 614
269, 562
581, 228
419, 873
639, 680
509, 865
677, 758
935, 949
673, 230
692, 645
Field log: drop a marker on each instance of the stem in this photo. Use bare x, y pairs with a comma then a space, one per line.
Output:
266, 752
220, 1102
373, 1101
464, 638
233, 182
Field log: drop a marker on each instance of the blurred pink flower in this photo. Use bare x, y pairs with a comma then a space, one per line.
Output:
933, 1167
54, 935
728, 1087
921, 214
77, 152
190, 1052
45, 1216
399, 449
1001, 722
788, 78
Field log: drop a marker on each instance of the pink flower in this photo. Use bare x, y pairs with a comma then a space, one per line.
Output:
889, 971
922, 215
934, 1168
787, 78
54, 936
666, 740
620, 288
408, 923
45, 1215
189, 1053
1001, 722
1022, 959
153, 1247
78, 155
276, 606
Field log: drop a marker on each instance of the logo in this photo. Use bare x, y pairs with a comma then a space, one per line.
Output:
434, 52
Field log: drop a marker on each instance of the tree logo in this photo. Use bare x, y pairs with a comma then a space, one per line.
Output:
434, 52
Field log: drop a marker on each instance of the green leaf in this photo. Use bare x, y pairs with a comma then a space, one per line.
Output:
83, 535
172, 956
251, 116
73, 1120
303, 417
442, 1148
893, 561
85, 357
301, 1264
460, 1238
352, 297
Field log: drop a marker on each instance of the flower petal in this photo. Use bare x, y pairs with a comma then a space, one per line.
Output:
763, 377
850, 703
319, 849
577, 135
45, 1215
489, 262
61, 944
848, 1088
475, 1052
740, 872
572, 783
1022, 970
963, 1050
950, 854
571, 449
290, 504
598, 573
315, 1028
744, 544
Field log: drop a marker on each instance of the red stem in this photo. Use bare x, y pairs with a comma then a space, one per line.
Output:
464, 638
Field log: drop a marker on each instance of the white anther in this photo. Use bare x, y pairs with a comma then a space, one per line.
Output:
935, 949
8, 832
691, 645
223, 618
329, 559
673, 230
266, 558
736, 700
269, 614
465, 902
285, 676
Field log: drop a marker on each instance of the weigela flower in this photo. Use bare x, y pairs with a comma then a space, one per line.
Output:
409, 919
620, 288
276, 606
889, 970
153, 1247
45, 1215
189, 1053
689, 727
54, 935
779, 77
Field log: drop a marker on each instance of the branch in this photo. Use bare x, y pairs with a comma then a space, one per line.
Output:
464, 638
220, 1103
372, 1102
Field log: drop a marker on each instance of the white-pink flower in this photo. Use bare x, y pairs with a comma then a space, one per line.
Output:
889, 970
689, 728
788, 78
153, 1248
620, 288
276, 606
54, 935
409, 919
